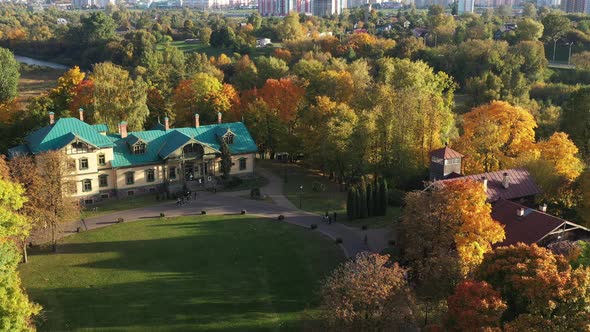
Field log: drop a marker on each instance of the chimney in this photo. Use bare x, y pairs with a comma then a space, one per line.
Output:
166, 123
51, 118
505, 181
123, 129
81, 110
543, 207
520, 212
485, 183
197, 123
219, 117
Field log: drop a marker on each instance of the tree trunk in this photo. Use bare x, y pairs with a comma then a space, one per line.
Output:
25, 256
53, 241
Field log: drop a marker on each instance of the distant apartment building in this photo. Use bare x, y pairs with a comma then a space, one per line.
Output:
498, 3
328, 7
91, 3
428, 3
548, 3
576, 6
465, 6
283, 7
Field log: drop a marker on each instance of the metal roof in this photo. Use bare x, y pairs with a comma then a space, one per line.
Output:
445, 153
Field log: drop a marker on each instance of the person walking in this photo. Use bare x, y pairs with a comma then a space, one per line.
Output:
334, 216
329, 220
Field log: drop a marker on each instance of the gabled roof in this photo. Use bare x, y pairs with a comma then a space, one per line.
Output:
521, 184
101, 128
174, 141
530, 228
132, 139
18, 150
63, 131
445, 153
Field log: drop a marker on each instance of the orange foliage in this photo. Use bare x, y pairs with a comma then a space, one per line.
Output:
8, 110
474, 306
282, 96
83, 96
283, 54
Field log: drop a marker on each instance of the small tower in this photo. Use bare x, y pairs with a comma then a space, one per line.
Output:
445, 163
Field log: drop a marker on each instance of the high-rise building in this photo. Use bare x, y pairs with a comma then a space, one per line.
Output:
465, 6
283, 7
576, 6
327, 7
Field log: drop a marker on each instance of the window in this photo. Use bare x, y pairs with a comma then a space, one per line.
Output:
229, 138
150, 176
129, 178
243, 164
77, 147
88, 202
104, 196
87, 185
452, 161
139, 148
83, 163
436, 160
172, 172
193, 148
103, 181
102, 160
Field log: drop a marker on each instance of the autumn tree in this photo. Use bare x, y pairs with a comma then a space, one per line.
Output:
118, 97
65, 91
474, 306
290, 28
368, 293
561, 152
58, 206
495, 136
445, 233
538, 287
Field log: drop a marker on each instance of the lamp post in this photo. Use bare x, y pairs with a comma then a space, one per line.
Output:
300, 195
569, 57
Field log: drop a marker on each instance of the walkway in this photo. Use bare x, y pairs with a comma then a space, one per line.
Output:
231, 203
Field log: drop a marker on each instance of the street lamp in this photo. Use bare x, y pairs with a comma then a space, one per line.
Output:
569, 57
300, 195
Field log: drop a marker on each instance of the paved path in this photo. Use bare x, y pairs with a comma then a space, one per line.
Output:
353, 239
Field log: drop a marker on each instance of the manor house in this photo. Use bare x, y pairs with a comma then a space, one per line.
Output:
105, 165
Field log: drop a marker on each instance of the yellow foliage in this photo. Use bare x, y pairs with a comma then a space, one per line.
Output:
561, 152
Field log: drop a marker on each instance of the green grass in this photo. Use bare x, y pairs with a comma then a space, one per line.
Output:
116, 205
247, 184
332, 199
198, 273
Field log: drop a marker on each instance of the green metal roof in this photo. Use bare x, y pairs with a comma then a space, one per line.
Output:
101, 128
159, 143
62, 132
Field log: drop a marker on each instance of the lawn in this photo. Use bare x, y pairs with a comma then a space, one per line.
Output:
330, 199
35, 80
197, 273
115, 205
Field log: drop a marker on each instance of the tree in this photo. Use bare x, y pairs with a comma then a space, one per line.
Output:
226, 161
495, 136
9, 74
581, 60
65, 91
529, 10
445, 233
118, 97
474, 306
97, 27
15, 308
529, 29
555, 27
58, 206
561, 152
368, 293
575, 120
290, 28
536, 283
205, 35
270, 68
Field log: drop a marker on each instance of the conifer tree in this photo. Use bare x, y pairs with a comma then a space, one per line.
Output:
383, 196
363, 213
225, 159
350, 204
370, 199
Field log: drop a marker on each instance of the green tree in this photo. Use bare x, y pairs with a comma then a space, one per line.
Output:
529, 10
290, 28
256, 20
575, 119
270, 67
97, 27
9, 74
555, 27
205, 35
118, 97
529, 29
226, 161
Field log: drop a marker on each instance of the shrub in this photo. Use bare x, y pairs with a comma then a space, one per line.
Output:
234, 181
162, 215
281, 217
203, 212
313, 226
395, 197
318, 187
338, 240
243, 212
120, 220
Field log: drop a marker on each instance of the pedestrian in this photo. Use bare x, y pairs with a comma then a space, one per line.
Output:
195, 195
334, 216
182, 201
178, 201
329, 220
366, 240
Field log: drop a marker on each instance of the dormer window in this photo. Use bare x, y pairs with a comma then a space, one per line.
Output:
139, 148
228, 138
78, 147
193, 148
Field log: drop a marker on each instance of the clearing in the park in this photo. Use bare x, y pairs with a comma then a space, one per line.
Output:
209, 273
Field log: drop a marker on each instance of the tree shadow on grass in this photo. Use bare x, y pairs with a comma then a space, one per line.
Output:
194, 274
